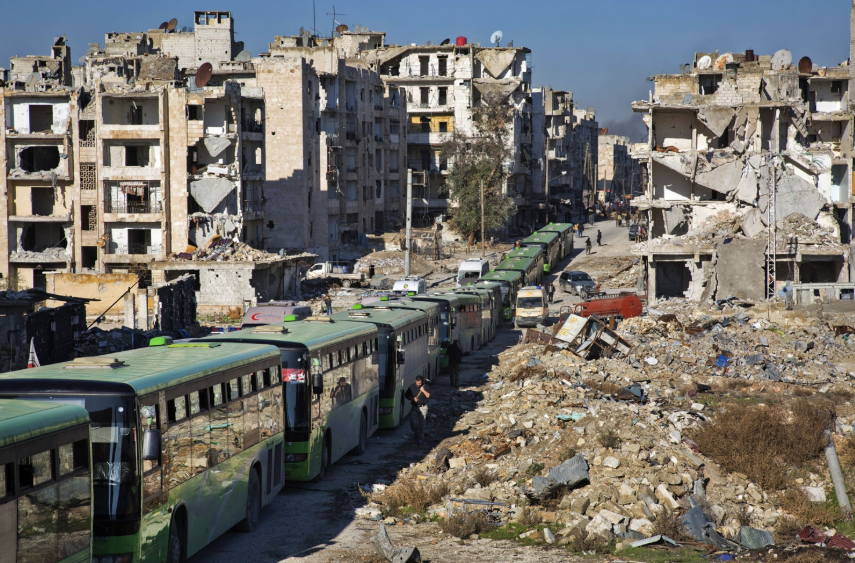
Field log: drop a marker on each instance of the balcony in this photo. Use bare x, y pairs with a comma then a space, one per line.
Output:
133, 207
134, 249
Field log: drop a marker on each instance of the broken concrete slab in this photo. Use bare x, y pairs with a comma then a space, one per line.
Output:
746, 190
716, 119
740, 269
752, 223
496, 61
209, 192
796, 195
216, 145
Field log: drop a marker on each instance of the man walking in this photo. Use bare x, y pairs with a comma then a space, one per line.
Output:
418, 394
550, 291
455, 358
599, 238
328, 304
587, 246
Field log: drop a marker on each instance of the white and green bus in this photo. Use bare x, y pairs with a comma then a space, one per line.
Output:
331, 388
403, 354
45, 483
187, 442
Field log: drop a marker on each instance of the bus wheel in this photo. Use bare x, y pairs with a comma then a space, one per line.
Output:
346, 283
175, 548
253, 503
363, 436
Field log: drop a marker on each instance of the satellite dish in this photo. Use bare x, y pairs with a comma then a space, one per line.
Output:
341, 28
805, 65
445, 42
510, 44
685, 69
704, 62
428, 43
324, 43
302, 31
243, 57
184, 29
592, 110
782, 60
164, 25
496, 37
173, 23
722, 61
203, 75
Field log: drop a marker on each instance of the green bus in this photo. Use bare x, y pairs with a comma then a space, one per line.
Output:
469, 320
45, 483
403, 350
491, 308
535, 254
565, 237
510, 282
331, 388
429, 308
449, 331
527, 267
186, 442
548, 242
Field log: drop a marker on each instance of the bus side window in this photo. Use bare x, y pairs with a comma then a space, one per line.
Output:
73, 532
250, 410
200, 432
274, 375
236, 428
266, 407
260, 380
220, 439
7, 473
37, 509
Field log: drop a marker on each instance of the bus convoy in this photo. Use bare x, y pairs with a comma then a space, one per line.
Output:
149, 455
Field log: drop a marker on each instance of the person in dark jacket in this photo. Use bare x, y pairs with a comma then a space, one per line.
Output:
455, 358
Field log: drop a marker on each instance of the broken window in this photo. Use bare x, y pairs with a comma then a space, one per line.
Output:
43, 200
135, 115
194, 113
39, 159
89, 216
136, 155
393, 161
351, 191
425, 125
41, 118
443, 96
424, 65
424, 94
378, 190
443, 65
89, 257
708, 83
443, 127
86, 129
394, 127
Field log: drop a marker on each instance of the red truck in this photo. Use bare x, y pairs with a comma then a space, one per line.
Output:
624, 305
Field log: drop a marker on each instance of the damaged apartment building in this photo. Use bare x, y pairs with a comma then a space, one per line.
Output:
442, 84
748, 177
167, 140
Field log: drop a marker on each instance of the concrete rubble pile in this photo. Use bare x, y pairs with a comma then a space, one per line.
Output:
392, 263
601, 448
225, 249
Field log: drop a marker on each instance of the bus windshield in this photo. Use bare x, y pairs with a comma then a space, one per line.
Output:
467, 276
298, 394
115, 478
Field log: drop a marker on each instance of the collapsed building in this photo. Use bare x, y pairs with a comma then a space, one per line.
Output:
619, 172
748, 168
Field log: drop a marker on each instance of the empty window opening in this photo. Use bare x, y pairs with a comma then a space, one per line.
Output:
89, 217
672, 279
708, 83
443, 96
136, 155
37, 238
443, 127
424, 93
426, 125
194, 113
424, 65
41, 118
89, 257
86, 128
43, 199
39, 159
139, 242
443, 66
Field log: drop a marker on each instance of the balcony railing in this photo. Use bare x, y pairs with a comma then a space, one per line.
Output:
252, 205
252, 127
133, 207
135, 249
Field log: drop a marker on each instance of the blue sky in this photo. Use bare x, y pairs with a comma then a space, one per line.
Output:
601, 50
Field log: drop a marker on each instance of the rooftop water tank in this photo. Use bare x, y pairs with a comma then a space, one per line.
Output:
461, 41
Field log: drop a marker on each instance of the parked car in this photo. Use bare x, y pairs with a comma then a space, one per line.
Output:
633, 232
575, 282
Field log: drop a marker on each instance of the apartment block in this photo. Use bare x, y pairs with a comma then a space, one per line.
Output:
619, 174
760, 143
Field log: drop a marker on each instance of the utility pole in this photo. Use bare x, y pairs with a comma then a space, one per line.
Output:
483, 235
409, 239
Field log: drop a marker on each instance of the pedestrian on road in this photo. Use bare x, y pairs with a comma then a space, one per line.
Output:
418, 394
551, 291
581, 229
328, 304
587, 246
576, 229
599, 238
455, 358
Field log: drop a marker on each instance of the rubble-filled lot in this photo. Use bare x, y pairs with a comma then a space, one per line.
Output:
711, 432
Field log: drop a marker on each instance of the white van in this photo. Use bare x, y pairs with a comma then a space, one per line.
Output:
411, 284
471, 271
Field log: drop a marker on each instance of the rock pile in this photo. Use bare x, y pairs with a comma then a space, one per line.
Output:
602, 448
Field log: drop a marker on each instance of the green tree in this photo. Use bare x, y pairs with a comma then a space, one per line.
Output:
480, 158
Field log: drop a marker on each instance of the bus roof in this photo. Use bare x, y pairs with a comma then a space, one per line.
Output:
501, 275
534, 253
381, 315
517, 263
487, 284
541, 237
23, 420
429, 307
147, 370
557, 228
438, 298
309, 335
468, 297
